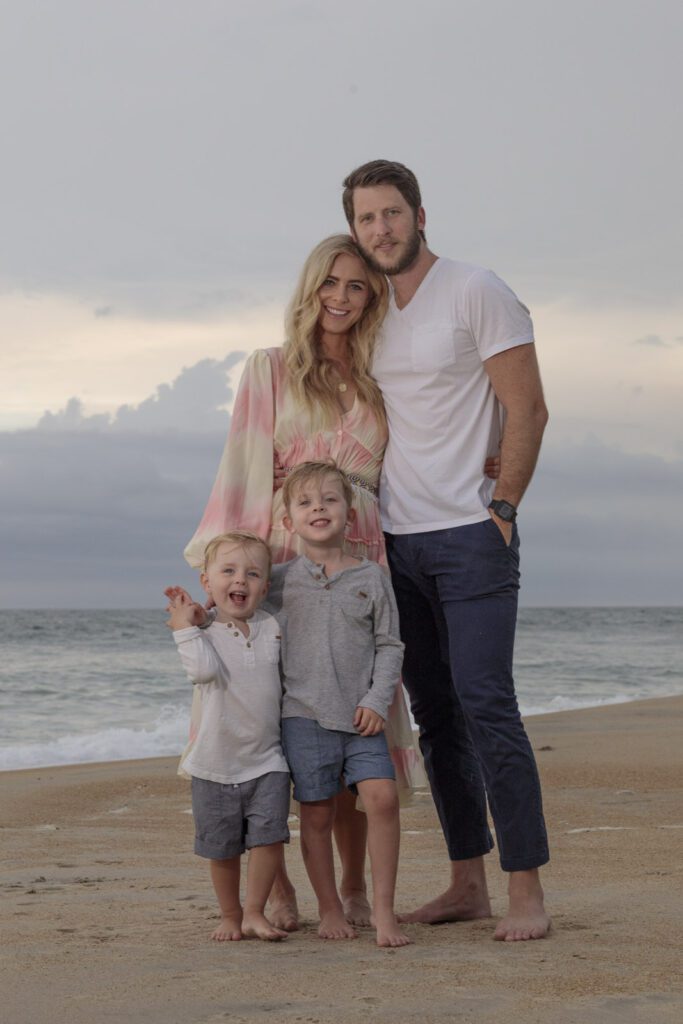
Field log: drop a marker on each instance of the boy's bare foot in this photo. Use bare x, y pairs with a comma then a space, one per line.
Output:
333, 925
229, 930
388, 931
283, 910
526, 918
356, 908
256, 926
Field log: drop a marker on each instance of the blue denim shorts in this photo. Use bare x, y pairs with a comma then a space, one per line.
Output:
319, 758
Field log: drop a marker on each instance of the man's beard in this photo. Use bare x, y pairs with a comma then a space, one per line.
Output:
404, 263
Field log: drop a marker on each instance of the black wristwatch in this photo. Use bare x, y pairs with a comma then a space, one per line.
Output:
504, 510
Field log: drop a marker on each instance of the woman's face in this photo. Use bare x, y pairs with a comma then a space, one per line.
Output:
344, 294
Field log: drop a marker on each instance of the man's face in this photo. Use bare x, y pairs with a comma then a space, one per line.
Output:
386, 229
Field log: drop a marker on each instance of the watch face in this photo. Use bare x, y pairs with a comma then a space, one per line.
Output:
504, 510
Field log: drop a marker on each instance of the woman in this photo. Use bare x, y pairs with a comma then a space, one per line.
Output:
315, 398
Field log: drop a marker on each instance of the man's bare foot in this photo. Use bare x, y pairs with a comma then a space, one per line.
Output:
450, 906
256, 926
333, 925
283, 911
229, 930
356, 908
388, 931
526, 918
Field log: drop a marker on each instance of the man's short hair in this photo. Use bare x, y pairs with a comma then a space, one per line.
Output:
241, 538
381, 172
316, 471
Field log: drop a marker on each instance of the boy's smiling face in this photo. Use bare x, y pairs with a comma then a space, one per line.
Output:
318, 512
237, 580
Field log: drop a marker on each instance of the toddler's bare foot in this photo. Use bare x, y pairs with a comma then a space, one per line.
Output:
451, 905
356, 908
256, 926
229, 930
388, 931
333, 925
283, 910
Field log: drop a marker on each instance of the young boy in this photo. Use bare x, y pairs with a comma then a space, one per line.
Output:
341, 659
240, 779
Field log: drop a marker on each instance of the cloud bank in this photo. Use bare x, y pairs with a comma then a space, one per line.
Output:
97, 510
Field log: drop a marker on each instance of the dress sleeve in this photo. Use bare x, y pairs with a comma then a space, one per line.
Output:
242, 494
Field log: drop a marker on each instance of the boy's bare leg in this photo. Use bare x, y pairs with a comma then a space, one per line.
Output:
261, 868
225, 875
526, 917
465, 899
282, 906
380, 800
351, 835
316, 846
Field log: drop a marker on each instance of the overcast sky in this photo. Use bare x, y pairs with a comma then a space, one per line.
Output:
166, 168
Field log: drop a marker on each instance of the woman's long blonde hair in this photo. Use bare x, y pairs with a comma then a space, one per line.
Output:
313, 377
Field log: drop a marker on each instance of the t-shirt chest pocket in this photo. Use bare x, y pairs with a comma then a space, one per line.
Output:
356, 607
432, 348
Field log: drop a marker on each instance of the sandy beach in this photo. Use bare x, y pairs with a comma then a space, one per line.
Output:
107, 912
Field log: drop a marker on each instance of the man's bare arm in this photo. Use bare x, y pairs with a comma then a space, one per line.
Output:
516, 380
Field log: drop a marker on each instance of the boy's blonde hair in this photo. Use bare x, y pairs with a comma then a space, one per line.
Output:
317, 472
243, 538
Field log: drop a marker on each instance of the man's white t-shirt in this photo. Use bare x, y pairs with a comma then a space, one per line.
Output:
444, 417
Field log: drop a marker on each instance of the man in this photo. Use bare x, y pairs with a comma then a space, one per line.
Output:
457, 367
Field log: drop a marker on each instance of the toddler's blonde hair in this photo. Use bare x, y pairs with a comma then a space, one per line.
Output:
243, 538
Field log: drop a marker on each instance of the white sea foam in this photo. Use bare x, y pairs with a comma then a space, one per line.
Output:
165, 737
561, 703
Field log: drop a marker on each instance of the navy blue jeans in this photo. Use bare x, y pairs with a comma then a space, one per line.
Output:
457, 599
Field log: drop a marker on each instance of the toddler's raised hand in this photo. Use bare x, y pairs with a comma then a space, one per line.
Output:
183, 609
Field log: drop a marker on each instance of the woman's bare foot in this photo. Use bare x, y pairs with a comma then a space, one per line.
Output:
229, 930
388, 931
526, 918
356, 908
333, 925
256, 926
283, 910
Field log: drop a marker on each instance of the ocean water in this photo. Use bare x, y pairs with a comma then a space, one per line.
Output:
107, 685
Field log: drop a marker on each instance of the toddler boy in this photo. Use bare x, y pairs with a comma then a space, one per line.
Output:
240, 779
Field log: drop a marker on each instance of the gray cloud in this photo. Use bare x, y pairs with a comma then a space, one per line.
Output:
651, 341
193, 403
98, 515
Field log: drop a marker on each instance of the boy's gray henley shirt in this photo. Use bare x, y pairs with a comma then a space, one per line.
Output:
340, 640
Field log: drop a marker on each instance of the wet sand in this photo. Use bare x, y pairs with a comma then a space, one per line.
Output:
106, 912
